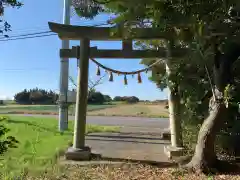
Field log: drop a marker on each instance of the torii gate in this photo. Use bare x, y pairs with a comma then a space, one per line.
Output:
80, 151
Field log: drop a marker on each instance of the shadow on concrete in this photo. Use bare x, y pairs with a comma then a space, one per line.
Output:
140, 133
99, 157
42, 128
124, 140
123, 136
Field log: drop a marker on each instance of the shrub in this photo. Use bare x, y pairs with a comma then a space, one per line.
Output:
132, 99
6, 142
117, 98
128, 99
107, 98
36, 96
96, 98
228, 138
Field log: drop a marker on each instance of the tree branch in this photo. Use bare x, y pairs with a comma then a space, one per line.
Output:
91, 84
72, 81
96, 83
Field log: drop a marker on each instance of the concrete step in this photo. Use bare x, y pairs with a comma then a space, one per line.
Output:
128, 137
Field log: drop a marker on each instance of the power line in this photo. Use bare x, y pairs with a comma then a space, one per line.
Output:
42, 34
14, 32
46, 28
33, 28
24, 35
29, 69
41, 28
32, 37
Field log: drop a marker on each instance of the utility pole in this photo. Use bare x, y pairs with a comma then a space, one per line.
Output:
63, 106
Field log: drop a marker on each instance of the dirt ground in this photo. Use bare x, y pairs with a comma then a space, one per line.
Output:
141, 110
127, 171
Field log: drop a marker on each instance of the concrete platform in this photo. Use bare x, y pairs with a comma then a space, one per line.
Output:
172, 152
78, 154
137, 146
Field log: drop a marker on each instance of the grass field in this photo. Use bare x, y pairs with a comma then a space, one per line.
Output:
50, 109
120, 109
133, 110
39, 143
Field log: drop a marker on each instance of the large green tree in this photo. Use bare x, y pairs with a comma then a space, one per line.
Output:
6, 142
4, 25
202, 26
36, 96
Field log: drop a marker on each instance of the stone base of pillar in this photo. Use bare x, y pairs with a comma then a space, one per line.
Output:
172, 151
80, 154
166, 134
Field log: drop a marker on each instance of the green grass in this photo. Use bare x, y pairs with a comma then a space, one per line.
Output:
9, 102
46, 108
40, 142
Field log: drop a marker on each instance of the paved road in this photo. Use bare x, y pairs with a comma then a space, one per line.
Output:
131, 122
138, 140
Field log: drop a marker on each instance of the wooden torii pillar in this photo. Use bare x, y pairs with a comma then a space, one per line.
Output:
79, 151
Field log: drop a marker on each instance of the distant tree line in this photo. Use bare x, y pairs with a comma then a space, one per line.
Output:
41, 96
36, 96
99, 98
96, 97
128, 99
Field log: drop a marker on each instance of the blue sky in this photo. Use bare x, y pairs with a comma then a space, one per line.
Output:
35, 62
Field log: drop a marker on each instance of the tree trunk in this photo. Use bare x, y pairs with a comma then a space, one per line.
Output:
205, 158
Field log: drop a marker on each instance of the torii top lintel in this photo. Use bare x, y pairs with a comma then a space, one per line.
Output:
70, 32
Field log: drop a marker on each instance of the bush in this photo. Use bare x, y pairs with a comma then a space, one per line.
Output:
228, 138
96, 98
117, 98
132, 99
1, 102
107, 98
189, 136
6, 142
36, 96
128, 99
